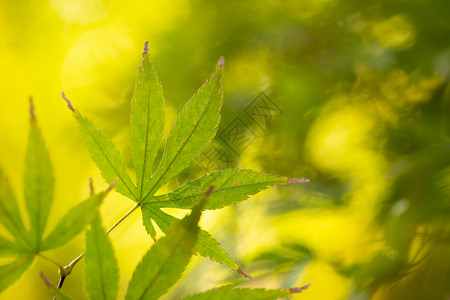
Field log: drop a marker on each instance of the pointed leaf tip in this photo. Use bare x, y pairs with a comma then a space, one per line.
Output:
145, 48
69, 105
32, 114
91, 187
111, 187
297, 290
297, 180
56, 292
231, 186
240, 271
221, 62
46, 280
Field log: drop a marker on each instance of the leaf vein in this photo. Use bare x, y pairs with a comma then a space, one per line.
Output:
215, 191
112, 166
182, 145
145, 148
162, 266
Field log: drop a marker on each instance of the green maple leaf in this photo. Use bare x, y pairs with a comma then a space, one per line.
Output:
191, 134
23, 243
159, 269
165, 262
101, 271
228, 292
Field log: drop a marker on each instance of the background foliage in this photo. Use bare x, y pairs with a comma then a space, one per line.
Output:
364, 95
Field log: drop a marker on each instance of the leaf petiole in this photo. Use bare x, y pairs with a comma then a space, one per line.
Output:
50, 260
65, 271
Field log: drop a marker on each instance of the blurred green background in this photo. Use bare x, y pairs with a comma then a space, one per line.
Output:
359, 95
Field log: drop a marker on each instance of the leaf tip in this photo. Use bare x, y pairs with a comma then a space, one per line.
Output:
69, 105
46, 280
145, 52
112, 185
297, 180
91, 187
32, 114
240, 271
297, 290
221, 62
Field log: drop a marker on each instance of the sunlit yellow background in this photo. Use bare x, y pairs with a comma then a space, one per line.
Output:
364, 95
